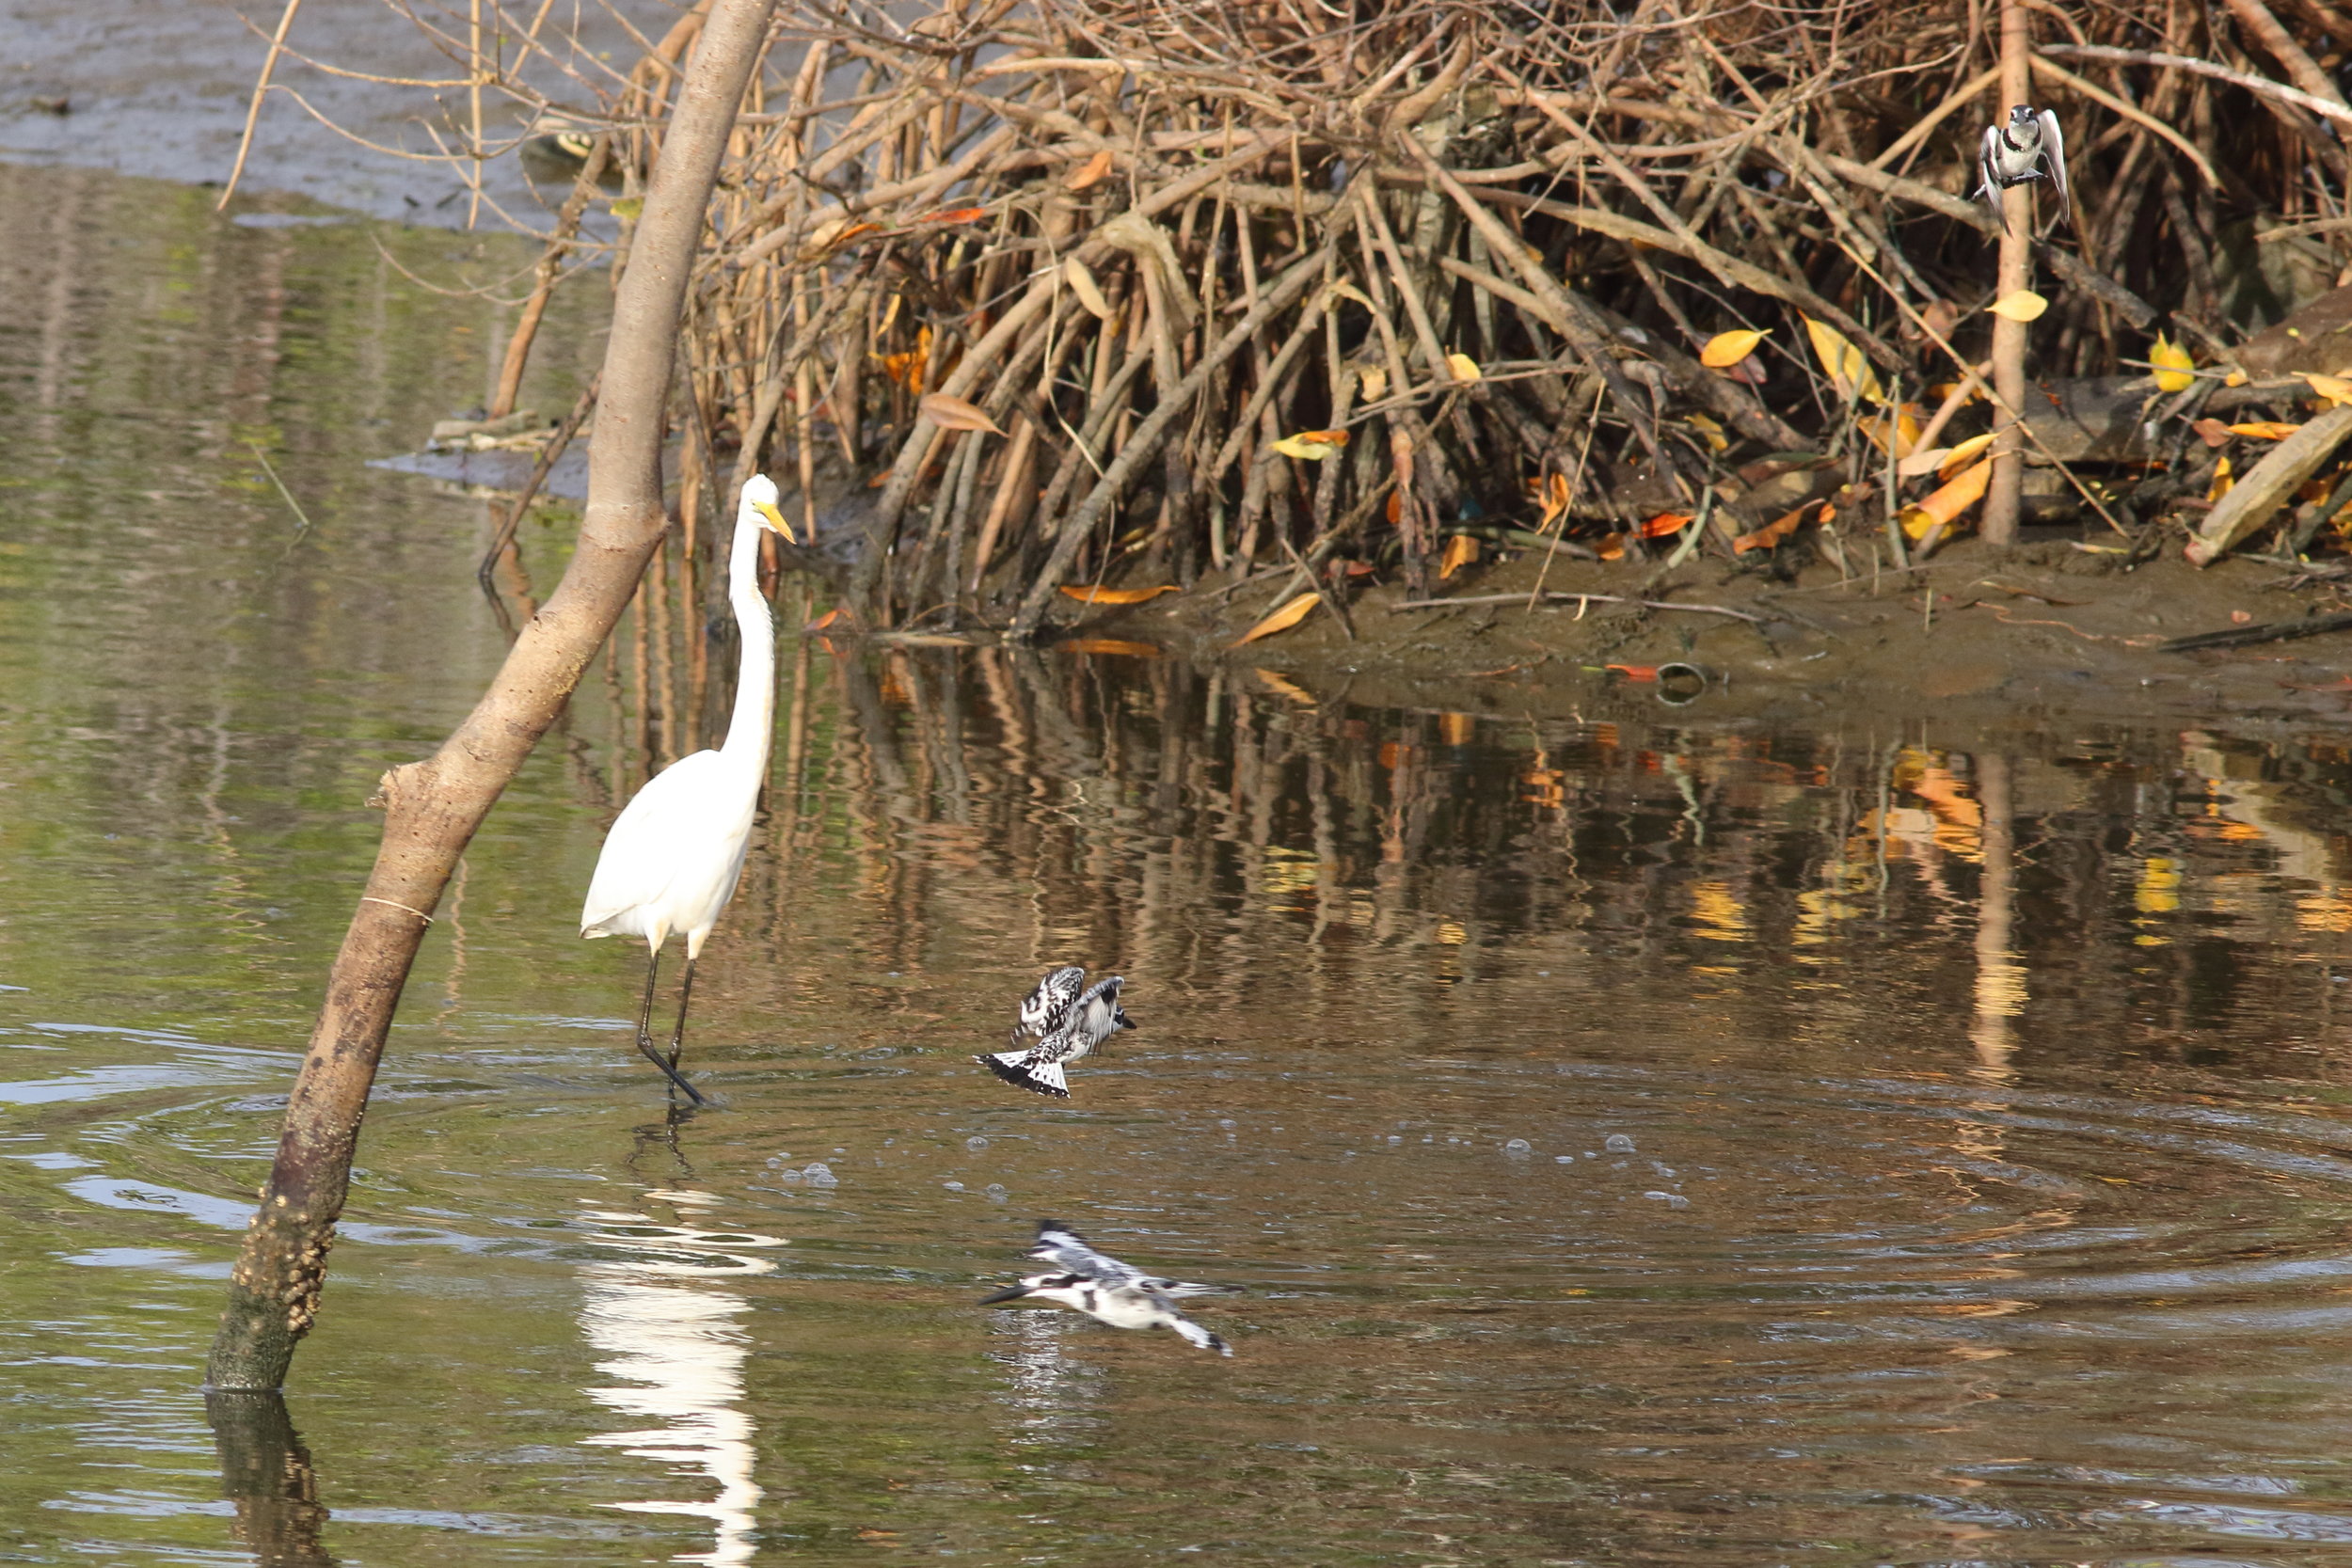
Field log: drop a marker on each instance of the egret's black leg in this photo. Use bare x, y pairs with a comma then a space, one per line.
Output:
677, 1036
644, 1029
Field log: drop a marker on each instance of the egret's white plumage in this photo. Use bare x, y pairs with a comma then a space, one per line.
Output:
670, 864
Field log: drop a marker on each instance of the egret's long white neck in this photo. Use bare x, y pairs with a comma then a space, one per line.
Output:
756, 672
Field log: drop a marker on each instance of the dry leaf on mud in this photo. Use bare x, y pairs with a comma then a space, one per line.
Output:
1118, 595
1772, 533
1460, 552
1282, 619
1665, 523
1464, 368
949, 411
2335, 388
2265, 430
1092, 173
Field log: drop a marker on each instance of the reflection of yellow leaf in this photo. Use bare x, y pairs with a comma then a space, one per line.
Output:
1093, 171
1118, 595
2172, 365
1293, 692
1112, 645
1726, 349
951, 412
2335, 388
2020, 305
1089, 292
1375, 381
1282, 619
1313, 445
1849, 372
1948, 503
1712, 430
2265, 430
1460, 552
1464, 368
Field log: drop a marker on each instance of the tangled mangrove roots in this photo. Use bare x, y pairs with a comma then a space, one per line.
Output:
1077, 292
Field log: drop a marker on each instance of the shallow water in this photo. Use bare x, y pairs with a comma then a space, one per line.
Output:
1645, 1138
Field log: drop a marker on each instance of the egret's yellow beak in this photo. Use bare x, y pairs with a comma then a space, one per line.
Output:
775, 520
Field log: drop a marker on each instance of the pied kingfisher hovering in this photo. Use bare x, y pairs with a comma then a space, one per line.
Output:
1066, 1025
2017, 154
1106, 1289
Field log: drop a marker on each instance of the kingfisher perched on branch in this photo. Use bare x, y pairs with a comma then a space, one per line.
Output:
2030, 147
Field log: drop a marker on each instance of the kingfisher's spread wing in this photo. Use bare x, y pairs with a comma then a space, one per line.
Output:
1068, 1250
2054, 154
1044, 1006
1989, 172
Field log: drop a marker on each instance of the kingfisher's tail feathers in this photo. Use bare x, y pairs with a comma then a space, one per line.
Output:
1195, 1334
1179, 1289
1015, 1067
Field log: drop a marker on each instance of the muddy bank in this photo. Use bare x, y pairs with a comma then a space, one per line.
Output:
2046, 627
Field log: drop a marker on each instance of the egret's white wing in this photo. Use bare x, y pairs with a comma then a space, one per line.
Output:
674, 849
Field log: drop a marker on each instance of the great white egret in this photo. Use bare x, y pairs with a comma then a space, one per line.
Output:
671, 862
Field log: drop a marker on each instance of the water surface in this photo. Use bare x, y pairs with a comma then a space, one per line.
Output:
1646, 1137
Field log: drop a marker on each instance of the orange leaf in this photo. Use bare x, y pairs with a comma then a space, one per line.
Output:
955, 215
1636, 671
907, 369
1287, 689
1772, 533
1611, 547
2265, 430
1118, 595
1665, 523
1112, 645
1943, 506
1396, 506
2211, 430
1093, 171
1282, 619
1312, 445
827, 619
951, 412
1552, 494
1460, 552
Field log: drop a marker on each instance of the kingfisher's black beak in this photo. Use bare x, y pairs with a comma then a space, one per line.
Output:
1010, 1292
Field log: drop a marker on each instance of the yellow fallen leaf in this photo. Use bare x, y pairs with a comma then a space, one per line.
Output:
1464, 368
1961, 453
1282, 619
1923, 462
951, 412
1118, 595
1093, 171
1111, 645
1726, 349
628, 208
1460, 552
2221, 481
1849, 372
1312, 445
1552, 494
1948, 503
1375, 381
1081, 280
2265, 430
2335, 388
2236, 378
1287, 689
908, 369
1712, 430
1905, 426
2172, 365
2020, 305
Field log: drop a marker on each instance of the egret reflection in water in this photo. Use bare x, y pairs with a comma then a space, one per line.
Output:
676, 1342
